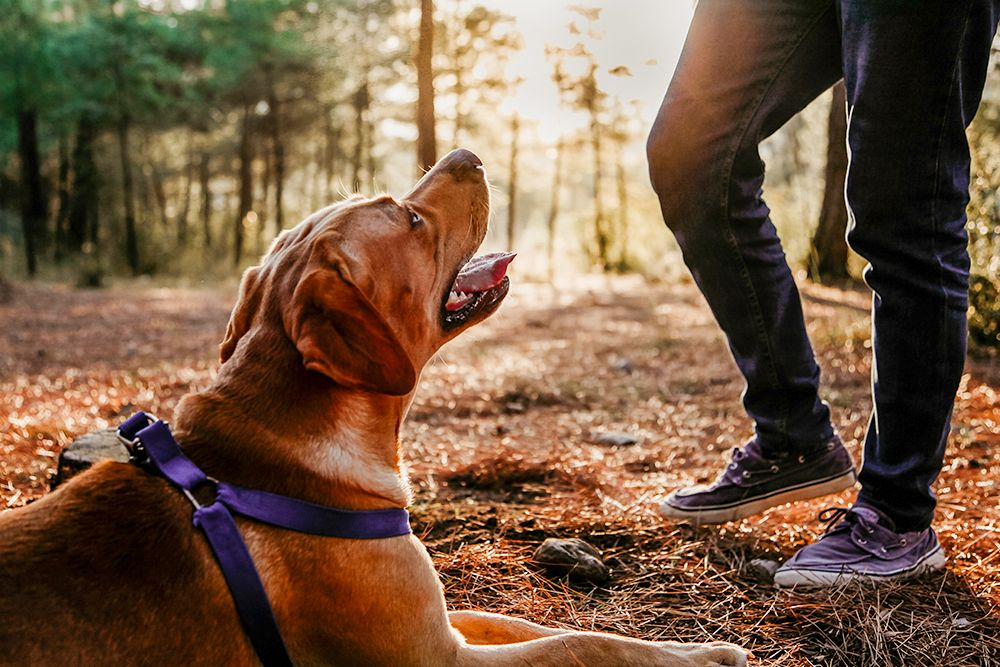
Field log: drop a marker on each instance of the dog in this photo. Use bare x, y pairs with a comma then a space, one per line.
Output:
320, 360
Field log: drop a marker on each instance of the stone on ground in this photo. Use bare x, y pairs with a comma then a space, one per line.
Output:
614, 438
87, 450
572, 557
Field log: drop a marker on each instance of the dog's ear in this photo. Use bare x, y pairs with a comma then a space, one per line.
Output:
342, 335
243, 313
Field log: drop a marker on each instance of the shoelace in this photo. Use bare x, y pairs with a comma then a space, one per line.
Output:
739, 453
734, 459
837, 517
832, 516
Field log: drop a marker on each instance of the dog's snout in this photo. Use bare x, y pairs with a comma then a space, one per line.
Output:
462, 164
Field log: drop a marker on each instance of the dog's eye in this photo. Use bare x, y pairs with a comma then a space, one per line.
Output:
415, 219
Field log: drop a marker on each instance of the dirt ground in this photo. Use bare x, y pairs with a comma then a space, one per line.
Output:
501, 451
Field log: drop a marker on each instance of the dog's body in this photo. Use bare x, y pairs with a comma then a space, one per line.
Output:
320, 362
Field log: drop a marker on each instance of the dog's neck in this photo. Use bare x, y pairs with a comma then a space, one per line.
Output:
268, 423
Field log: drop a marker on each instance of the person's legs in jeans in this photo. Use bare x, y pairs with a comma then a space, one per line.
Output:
745, 70
914, 73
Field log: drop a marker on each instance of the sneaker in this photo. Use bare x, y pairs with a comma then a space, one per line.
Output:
752, 483
861, 545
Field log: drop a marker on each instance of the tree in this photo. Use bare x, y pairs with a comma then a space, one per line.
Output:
515, 138
426, 140
125, 66
477, 42
828, 256
559, 79
262, 67
23, 56
583, 93
550, 226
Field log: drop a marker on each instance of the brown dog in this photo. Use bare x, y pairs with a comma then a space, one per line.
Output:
320, 362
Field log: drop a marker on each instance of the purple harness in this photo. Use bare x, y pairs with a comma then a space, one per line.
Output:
153, 448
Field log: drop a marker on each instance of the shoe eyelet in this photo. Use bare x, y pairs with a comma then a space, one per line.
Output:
902, 542
862, 540
775, 468
732, 466
802, 458
884, 550
746, 474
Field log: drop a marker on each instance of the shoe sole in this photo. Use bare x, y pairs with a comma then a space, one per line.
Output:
802, 578
713, 515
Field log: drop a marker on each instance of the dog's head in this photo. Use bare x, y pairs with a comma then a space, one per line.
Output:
368, 290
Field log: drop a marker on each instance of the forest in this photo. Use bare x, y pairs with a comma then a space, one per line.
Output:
175, 138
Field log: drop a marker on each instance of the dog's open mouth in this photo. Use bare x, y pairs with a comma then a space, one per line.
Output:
478, 289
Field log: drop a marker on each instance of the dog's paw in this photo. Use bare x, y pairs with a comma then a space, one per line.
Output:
711, 654
722, 654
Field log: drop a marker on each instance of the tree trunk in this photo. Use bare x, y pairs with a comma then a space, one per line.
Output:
185, 212
160, 196
33, 209
369, 135
83, 208
360, 102
329, 156
204, 184
515, 130
316, 189
828, 259
457, 70
62, 215
622, 187
264, 208
554, 206
426, 140
600, 233
246, 185
131, 236
278, 148
456, 137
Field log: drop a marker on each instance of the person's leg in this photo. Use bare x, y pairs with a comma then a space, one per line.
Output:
914, 73
745, 70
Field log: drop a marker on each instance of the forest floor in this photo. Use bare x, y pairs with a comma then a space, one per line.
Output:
500, 444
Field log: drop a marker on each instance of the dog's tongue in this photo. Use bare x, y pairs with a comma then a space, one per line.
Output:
483, 272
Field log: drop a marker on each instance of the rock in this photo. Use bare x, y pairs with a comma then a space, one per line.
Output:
624, 365
614, 438
960, 622
87, 450
762, 569
572, 557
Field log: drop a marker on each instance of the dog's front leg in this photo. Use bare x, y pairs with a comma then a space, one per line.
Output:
480, 627
595, 649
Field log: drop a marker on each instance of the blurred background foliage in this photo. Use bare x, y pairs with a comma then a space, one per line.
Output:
175, 138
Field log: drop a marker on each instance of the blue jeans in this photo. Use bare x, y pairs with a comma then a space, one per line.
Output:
914, 72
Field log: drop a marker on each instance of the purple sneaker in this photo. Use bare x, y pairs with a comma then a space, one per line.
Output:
862, 545
752, 483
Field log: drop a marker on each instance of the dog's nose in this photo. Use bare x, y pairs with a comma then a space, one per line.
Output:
462, 164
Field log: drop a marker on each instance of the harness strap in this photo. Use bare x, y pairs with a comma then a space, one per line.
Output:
244, 583
305, 517
154, 448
